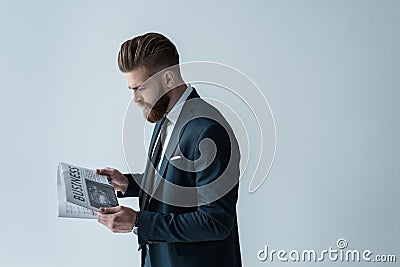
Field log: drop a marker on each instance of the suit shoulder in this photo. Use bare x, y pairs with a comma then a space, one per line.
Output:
205, 115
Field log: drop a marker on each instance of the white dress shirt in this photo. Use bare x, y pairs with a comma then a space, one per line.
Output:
172, 117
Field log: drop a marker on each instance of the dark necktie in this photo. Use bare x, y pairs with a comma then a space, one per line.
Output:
155, 160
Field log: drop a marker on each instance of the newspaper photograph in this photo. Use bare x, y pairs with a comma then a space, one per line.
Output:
81, 192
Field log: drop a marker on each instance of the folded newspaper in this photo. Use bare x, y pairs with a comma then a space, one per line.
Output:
81, 192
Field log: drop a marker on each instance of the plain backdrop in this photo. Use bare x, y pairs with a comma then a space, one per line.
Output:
329, 70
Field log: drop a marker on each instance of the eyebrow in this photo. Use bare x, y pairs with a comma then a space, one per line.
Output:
136, 87
133, 88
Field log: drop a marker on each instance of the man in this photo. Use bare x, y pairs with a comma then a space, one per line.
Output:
188, 192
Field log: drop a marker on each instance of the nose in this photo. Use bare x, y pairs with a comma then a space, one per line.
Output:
136, 97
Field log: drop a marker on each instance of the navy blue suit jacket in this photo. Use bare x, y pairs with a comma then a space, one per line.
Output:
193, 235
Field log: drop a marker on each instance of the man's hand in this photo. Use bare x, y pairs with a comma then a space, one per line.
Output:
118, 219
120, 182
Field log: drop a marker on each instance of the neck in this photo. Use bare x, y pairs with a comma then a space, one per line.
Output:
175, 94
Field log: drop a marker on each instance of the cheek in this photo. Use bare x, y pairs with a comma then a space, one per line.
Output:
151, 96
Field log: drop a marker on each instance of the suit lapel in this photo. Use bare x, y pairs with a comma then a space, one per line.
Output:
148, 163
179, 128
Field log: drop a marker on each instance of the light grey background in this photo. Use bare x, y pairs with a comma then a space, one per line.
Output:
329, 70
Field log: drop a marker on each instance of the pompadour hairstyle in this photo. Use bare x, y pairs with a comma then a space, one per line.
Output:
153, 51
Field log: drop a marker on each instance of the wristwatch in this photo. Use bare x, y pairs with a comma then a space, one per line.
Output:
135, 228
136, 221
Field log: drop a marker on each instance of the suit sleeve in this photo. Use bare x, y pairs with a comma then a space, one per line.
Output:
133, 187
213, 221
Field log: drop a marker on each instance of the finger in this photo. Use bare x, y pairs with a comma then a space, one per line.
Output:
105, 171
111, 224
103, 220
103, 217
110, 210
121, 231
108, 224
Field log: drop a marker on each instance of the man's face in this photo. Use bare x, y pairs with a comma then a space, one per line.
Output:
148, 94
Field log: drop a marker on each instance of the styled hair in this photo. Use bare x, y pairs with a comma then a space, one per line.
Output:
153, 51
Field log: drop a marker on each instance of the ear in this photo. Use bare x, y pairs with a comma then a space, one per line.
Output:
169, 79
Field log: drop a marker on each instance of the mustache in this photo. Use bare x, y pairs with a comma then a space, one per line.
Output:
142, 104
158, 110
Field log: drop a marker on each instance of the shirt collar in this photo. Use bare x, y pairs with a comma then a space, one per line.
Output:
175, 111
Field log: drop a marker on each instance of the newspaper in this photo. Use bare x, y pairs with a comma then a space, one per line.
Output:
81, 192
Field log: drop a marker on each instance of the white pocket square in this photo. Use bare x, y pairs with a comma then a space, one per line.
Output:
175, 158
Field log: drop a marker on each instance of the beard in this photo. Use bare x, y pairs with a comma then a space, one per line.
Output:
158, 110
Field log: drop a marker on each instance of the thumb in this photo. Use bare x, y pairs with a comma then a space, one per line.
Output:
109, 210
105, 171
